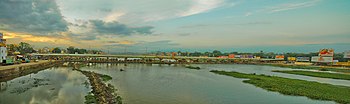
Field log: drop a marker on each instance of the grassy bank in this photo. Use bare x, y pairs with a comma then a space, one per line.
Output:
313, 90
316, 74
311, 67
90, 99
105, 77
193, 67
102, 93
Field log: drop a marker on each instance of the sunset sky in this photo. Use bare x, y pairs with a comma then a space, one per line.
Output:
186, 25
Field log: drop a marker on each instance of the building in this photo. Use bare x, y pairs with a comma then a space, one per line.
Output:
3, 50
44, 50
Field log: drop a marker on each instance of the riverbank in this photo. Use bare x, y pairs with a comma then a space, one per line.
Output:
22, 65
14, 71
320, 68
193, 67
295, 87
101, 93
316, 74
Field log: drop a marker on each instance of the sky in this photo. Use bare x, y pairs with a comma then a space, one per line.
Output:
186, 25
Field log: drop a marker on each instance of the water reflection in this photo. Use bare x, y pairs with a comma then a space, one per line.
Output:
164, 84
151, 84
52, 86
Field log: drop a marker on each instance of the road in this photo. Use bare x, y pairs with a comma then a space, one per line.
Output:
23, 64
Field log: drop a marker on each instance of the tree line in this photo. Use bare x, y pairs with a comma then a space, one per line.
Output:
25, 48
22, 48
72, 50
216, 53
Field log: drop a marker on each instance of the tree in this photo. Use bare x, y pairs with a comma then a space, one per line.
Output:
207, 54
25, 48
81, 51
269, 55
11, 48
196, 54
56, 50
71, 50
217, 53
179, 53
95, 51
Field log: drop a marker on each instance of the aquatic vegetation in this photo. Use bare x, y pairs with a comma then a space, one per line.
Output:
295, 87
103, 93
29, 84
19, 90
120, 100
316, 74
311, 67
90, 99
193, 67
105, 77
86, 84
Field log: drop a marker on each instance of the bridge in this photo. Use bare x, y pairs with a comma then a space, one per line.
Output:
148, 59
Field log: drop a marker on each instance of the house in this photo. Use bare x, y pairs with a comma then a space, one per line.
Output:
3, 50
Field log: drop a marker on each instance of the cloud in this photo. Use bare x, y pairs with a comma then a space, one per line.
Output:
290, 6
160, 43
201, 6
191, 7
153, 44
284, 7
44, 18
142, 45
32, 16
105, 10
135, 11
227, 24
83, 36
44, 40
184, 34
253, 23
248, 14
194, 26
124, 42
113, 16
117, 28
92, 29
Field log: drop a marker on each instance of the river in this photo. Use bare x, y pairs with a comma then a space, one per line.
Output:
57, 85
158, 84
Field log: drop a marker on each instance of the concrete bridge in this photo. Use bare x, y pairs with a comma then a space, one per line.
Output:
94, 58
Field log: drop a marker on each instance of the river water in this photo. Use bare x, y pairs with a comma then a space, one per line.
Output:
164, 84
157, 84
51, 86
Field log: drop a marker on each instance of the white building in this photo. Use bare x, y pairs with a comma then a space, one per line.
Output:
3, 53
3, 50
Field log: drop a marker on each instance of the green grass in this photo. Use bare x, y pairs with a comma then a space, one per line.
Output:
295, 87
316, 74
311, 67
120, 100
193, 67
105, 77
90, 99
